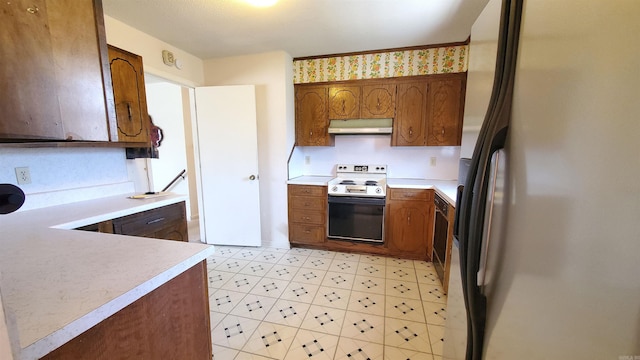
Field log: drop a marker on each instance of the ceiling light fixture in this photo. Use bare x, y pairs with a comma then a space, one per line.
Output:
261, 3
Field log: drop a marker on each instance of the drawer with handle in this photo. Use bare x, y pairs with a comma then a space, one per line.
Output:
410, 194
151, 221
310, 234
307, 203
307, 217
308, 190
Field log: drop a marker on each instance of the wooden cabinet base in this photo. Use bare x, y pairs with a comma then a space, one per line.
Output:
171, 322
360, 248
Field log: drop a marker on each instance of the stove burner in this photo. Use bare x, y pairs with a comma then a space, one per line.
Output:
371, 183
347, 182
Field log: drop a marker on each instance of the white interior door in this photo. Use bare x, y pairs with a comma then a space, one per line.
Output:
227, 136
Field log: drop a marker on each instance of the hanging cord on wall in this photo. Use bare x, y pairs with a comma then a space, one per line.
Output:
181, 175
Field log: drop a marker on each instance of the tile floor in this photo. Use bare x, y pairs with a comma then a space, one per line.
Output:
297, 304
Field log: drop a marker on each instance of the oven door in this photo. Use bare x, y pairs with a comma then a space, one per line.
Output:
356, 218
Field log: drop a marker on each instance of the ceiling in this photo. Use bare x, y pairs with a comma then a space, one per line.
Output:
220, 28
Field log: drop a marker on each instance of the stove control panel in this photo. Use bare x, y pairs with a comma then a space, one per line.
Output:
363, 169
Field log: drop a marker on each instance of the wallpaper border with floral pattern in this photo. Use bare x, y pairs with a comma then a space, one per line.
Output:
428, 61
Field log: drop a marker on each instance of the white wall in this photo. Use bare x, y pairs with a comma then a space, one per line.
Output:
128, 38
272, 75
164, 102
402, 161
64, 175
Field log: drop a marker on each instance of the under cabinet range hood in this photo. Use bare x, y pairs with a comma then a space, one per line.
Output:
361, 126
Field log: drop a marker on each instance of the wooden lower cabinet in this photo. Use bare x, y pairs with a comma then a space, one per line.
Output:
171, 322
307, 214
409, 223
166, 222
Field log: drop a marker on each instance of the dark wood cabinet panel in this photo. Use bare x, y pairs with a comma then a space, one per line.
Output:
344, 102
312, 116
445, 110
52, 73
307, 206
409, 126
127, 77
167, 222
171, 322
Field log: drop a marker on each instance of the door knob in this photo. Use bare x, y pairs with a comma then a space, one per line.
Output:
252, 177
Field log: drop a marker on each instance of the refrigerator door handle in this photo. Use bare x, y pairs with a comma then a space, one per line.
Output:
487, 230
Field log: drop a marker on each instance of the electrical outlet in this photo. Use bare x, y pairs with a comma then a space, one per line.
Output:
433, 161
23, 175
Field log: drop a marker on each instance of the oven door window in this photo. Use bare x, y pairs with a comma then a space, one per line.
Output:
356, 218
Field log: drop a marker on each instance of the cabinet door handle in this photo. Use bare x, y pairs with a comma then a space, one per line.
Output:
409, 219
155, 221
129, 110
410, 130
32, 9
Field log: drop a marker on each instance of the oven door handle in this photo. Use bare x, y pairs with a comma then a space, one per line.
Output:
356, 200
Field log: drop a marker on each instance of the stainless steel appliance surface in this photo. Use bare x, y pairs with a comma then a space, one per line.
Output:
356, 203
542, 270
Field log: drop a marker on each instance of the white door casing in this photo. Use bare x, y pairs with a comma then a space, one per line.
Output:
228, 149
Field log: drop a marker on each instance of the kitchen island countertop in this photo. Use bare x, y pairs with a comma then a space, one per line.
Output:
56, 283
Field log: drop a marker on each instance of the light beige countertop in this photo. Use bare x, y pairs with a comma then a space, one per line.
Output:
56, 282
446, 188
310, 180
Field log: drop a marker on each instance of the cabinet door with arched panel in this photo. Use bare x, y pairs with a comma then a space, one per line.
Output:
409, 126
445, 108
312, 117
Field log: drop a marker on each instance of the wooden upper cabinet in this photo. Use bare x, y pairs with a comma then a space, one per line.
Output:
312, 116
373, 101
378, 101
426, 110
127, 76
55, 85
409, 126
445, 110
344, 102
